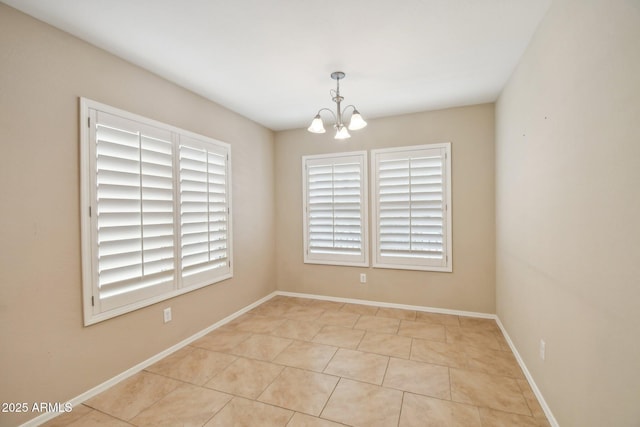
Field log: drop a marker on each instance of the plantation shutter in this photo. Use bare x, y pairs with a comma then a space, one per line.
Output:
411, 200
204, 210
156, 211
133, 211
335, 206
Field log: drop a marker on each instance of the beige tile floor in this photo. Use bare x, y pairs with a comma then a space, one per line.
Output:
302, 362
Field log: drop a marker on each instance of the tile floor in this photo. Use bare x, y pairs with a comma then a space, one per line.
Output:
302, 362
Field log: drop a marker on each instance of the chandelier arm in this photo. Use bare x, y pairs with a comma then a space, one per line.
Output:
344, 110
335, 119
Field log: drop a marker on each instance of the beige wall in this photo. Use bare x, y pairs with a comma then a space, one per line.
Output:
471, 285
568, 210
46, 354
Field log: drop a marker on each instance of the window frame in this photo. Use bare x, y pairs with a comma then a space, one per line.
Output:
406, 263
361, 260
92, 304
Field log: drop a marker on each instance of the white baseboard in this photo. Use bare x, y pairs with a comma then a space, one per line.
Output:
140, 366
389, 305
547, 411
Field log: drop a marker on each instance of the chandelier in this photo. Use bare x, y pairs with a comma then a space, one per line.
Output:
356, 122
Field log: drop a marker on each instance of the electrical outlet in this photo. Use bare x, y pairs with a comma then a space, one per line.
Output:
167, 314
543, 348
363, 278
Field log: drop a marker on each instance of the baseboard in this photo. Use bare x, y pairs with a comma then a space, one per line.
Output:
389, 305
527, 374
140, 366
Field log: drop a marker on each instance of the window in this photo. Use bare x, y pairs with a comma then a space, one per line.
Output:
412, 207
155, 214
335, 209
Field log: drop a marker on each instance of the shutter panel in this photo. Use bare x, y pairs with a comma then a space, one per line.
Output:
155, 214
411, 208
204, 210
335, 229
134, 211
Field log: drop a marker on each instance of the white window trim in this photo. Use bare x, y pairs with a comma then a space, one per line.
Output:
337, 259
447, 264
92, 313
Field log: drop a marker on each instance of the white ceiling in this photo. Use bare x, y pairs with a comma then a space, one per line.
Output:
270, 60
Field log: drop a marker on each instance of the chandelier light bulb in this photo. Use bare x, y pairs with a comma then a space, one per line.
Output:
316, 125
357, 122
342, 133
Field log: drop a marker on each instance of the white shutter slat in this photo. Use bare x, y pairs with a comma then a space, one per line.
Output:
109, 220
119, 147
114, 164
119, 192
115, 247
201, 246
162, 265
218, 253
200, 259
109, 176
194, 227
414, 255
121, 260
192, 206
194, 217
119, 293
133, 270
